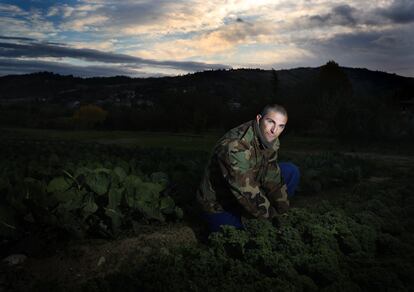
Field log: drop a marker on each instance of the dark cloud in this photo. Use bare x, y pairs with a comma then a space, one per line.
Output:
239, 31
41, 50
390, 42
138, 12
132, 13
26, 40
321, 18
345, 13
400, 11
15, 66
391, 50
339, 15
15, 38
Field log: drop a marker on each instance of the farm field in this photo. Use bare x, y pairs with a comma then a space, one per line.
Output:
179, 141
202, 141
104, 211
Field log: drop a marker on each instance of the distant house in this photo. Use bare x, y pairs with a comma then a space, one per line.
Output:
129, 94
41, 99
142, 102
73, 104
124, 98
126, 94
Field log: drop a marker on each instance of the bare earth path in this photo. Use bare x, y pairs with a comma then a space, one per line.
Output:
81, 261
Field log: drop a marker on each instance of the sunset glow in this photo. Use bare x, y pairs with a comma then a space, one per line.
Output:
155, 38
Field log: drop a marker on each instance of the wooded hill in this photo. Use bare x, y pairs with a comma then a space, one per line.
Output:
316, 98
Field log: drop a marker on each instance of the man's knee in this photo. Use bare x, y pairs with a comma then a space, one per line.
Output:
290, 169
291, 176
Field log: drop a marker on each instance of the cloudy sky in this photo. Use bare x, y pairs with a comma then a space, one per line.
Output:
157, 37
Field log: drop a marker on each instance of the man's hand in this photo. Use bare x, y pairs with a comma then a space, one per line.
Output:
279, 199
277, 220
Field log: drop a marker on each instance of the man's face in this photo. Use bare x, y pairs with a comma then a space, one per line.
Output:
271, 125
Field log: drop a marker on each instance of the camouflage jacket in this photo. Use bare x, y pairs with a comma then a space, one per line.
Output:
243, 176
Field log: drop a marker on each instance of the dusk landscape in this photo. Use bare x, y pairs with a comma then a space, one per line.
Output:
110, 113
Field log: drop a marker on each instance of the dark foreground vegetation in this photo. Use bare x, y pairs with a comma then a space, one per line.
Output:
350, 227
93, 212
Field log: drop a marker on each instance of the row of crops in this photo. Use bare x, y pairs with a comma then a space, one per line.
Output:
89, 190
360, 237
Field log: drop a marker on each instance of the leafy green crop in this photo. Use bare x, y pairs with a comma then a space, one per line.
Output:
82, 189
359, 239
331, 246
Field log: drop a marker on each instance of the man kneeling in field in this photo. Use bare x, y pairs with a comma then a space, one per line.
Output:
243, 178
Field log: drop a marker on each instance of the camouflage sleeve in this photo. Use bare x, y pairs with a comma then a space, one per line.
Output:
235, 166
274, 188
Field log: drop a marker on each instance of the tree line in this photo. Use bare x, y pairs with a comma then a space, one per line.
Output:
320, 101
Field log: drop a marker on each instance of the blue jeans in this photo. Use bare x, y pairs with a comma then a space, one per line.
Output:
291, 176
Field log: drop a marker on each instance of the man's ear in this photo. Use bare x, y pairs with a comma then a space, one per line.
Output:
258, 117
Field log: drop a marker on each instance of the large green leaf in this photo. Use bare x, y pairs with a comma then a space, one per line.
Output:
82, 171
120, 172
149, 192
74, 199
66, 196
144, 197
89, 206
167, 205
115, 197
160, 178
116, 218
58, 184
131, 184
178, 212
98, 182
102, 170
124, 165
148, 200
132, 181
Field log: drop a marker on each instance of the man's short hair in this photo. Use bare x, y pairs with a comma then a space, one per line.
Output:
274, 108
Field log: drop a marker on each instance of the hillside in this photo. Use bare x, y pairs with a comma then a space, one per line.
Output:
327, 100
231, 84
